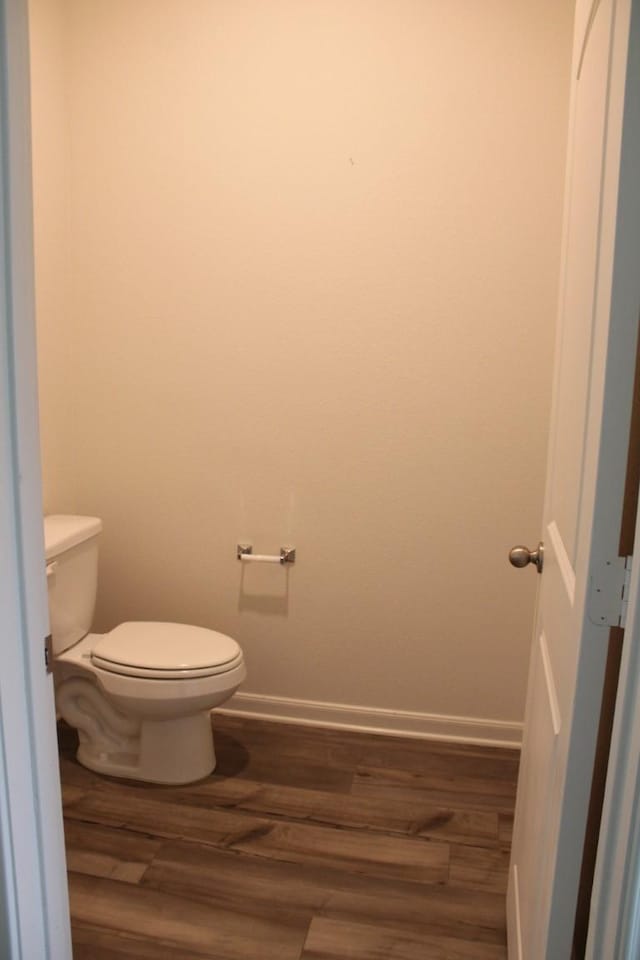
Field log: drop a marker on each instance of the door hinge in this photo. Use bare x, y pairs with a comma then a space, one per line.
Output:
48, 653
609, 592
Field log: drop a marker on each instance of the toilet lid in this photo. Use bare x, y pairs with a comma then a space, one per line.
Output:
165, 651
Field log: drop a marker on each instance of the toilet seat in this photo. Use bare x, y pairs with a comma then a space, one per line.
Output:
165, 651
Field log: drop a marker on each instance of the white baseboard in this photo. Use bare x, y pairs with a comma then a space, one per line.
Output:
398, 723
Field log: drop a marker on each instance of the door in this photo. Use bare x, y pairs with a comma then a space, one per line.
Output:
582, 576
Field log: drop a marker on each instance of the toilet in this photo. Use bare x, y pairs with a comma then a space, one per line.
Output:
140, 695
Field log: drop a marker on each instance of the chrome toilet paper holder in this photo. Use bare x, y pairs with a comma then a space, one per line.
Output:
244, 552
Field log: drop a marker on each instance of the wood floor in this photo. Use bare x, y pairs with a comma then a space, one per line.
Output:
305, 844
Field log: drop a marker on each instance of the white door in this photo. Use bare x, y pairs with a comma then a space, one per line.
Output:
578, 598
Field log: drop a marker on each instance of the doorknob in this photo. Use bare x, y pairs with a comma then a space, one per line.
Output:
521, 556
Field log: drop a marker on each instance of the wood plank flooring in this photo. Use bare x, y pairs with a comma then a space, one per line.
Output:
305, 844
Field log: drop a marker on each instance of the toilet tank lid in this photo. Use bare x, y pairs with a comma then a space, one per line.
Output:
63, 532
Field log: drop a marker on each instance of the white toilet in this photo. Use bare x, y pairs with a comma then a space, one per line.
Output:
139, 695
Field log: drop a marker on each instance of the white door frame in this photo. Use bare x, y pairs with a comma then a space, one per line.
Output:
614, 925
35, 899
33, 892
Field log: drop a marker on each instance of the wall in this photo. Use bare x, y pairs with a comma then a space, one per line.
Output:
52, 211
313, 256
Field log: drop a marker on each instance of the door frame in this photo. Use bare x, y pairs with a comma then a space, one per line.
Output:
34, 908
614, 924
35, 918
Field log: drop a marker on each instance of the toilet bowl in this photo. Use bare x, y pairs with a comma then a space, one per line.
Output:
140, 695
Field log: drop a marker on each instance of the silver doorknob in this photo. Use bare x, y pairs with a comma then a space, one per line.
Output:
522, 556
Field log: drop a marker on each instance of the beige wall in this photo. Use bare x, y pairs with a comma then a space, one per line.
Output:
313, 256
51, 149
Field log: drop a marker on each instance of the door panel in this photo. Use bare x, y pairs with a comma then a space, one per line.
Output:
577, 307
538, 771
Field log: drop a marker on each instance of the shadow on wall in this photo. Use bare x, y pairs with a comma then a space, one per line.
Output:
264, 589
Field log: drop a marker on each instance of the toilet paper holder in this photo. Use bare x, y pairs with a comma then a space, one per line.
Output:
244, 552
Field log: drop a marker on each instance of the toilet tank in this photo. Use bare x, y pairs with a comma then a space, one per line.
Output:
71, 550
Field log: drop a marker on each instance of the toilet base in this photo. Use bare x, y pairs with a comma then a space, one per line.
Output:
174, 751
154, 730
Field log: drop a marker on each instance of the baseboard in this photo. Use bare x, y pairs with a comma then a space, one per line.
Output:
399, 723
